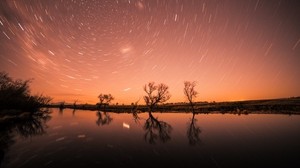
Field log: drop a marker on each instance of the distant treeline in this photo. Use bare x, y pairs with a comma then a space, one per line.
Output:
284, 105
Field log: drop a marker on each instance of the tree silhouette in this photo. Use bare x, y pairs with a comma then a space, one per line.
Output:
155, 94
15, 94
104, 99
190, 92
74, 104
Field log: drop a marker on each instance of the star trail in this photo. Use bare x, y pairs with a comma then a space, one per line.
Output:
77, 49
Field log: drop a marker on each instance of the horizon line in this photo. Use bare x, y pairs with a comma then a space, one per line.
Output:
295, 97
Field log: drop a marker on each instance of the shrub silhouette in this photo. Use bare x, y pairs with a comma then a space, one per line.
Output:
15, 94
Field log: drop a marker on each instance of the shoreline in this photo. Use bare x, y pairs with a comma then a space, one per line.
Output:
284, 106
289, 106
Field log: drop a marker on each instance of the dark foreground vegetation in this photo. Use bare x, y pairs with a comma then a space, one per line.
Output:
24, 125
15, 97
21, 113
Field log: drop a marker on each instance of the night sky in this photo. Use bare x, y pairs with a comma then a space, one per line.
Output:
75, 50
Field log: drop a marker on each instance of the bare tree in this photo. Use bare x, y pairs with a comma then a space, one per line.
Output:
190, 92
105, 99
156, 94
74, 104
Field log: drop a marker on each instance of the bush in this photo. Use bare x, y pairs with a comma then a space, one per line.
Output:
15, 94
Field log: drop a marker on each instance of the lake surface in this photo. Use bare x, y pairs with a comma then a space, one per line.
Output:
91, 139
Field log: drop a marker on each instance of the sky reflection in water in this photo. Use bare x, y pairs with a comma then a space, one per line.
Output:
89, 138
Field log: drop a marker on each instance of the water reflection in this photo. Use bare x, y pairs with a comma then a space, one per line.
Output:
249, 139
26, 125
156, 130
136, 117
6, 140
103, 118
135, 111
73, 112
193, 131
61, 111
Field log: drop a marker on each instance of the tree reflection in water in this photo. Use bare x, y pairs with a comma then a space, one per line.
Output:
61, 111
156, 129
193, 131
73, 112
25, 125
103, 118
135, 111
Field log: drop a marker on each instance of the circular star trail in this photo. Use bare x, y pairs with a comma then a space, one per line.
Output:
77, 49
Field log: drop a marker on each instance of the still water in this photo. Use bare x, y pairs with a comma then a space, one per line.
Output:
91, 139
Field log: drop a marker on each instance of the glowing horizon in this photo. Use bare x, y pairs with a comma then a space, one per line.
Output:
75, 50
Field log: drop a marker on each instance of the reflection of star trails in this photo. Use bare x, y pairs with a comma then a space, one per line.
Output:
81, 136
125, 125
